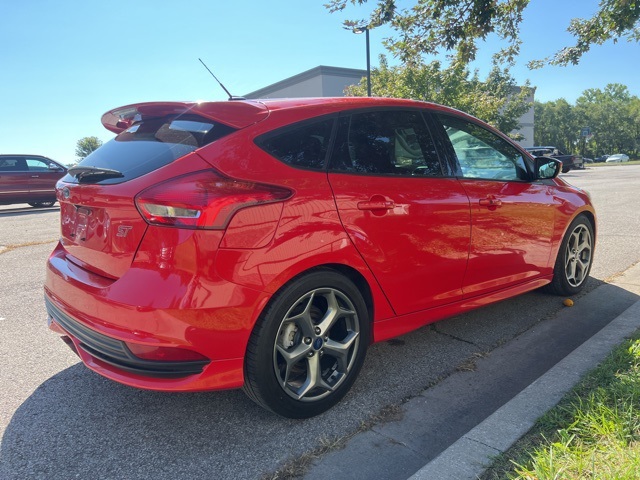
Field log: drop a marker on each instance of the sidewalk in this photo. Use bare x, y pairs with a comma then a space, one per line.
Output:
473, 453
454, 429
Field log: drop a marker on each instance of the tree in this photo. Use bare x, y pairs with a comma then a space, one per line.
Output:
496, 100
608, 113
556, 125
612, 115
455, 26
86, 145
614, 20
430, 27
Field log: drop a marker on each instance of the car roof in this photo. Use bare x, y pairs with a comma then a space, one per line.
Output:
242, 113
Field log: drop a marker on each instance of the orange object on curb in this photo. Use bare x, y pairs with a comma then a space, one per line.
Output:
568, 302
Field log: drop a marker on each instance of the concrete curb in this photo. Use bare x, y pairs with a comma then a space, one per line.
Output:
468, 457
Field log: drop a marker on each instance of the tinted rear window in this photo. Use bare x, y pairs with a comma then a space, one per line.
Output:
302, 145
153, 143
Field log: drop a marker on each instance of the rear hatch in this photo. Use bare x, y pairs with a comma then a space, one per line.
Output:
101, 227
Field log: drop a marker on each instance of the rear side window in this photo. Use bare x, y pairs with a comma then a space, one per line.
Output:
301, 145
13, 164
385, 143
153, 143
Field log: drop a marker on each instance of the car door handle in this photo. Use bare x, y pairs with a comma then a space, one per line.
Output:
376, 205
35, 176
490, 202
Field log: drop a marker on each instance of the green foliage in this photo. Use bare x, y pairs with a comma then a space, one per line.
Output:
556, 124
615, 19
496, 100
86, 145
431, 27
455, 26
612, 114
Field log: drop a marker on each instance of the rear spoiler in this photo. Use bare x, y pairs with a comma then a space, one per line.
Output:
236, 114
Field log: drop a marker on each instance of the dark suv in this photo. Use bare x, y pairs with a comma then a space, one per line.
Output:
569, 162
29, 179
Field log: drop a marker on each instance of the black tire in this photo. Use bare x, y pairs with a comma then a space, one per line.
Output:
42, 204
574, 259
297, 367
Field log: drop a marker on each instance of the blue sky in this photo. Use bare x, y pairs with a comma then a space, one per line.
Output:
63, 64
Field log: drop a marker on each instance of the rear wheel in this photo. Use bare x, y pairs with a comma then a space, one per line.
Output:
308, 346
575, 258
42, 204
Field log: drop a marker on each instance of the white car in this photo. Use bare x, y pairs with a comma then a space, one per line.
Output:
619, 157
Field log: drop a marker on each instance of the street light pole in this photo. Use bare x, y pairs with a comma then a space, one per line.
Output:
358, 30
368, 66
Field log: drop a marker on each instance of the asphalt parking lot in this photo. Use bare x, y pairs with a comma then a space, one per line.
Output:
59, 420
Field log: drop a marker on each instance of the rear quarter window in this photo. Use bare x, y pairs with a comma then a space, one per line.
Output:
303, 145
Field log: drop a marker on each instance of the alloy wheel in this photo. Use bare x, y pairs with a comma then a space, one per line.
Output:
316, 345
578, 255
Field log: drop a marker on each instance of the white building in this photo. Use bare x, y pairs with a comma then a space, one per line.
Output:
326, 81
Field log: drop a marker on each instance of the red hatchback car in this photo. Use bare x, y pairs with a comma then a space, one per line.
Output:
266, 244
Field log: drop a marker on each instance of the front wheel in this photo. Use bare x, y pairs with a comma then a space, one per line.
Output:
308, 346
574, 259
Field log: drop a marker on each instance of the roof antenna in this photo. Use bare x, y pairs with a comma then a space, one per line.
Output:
231, 97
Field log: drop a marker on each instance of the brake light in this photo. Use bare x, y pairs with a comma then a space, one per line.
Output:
203, 199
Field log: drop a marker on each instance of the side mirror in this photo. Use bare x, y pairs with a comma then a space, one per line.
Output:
545, 168
54, 167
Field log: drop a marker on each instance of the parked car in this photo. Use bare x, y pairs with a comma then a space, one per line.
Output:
601, 158
29, 179
569, 162
618, 157
266, 244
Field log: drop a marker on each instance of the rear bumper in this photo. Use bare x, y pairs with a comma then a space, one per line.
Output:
115, 352
99, 317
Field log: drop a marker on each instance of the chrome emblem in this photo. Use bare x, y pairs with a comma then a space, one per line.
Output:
123, 231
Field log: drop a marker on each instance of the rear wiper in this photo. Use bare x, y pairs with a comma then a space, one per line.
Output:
89, 173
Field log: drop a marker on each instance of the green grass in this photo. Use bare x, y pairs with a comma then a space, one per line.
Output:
604, 164
593, 433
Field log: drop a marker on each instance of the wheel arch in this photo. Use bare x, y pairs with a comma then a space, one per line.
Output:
347, 271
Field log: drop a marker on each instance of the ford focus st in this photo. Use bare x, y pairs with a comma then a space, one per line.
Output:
266, 245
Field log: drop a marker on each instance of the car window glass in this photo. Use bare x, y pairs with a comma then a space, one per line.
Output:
303, 145
152, 144
481, 153
13, 164
36, 165
385, 142
8, 164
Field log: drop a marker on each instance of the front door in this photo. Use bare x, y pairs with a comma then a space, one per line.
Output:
511, 217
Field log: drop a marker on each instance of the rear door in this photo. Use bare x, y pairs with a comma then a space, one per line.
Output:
512, 218
404, 212
43, 175
14, 179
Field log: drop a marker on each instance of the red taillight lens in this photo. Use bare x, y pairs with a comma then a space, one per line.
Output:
165, 354
203, 199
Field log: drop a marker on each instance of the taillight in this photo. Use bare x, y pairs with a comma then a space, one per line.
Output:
203, 199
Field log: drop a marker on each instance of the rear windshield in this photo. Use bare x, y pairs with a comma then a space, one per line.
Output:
151, 144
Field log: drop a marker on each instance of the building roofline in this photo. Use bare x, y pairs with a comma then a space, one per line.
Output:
306, 75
